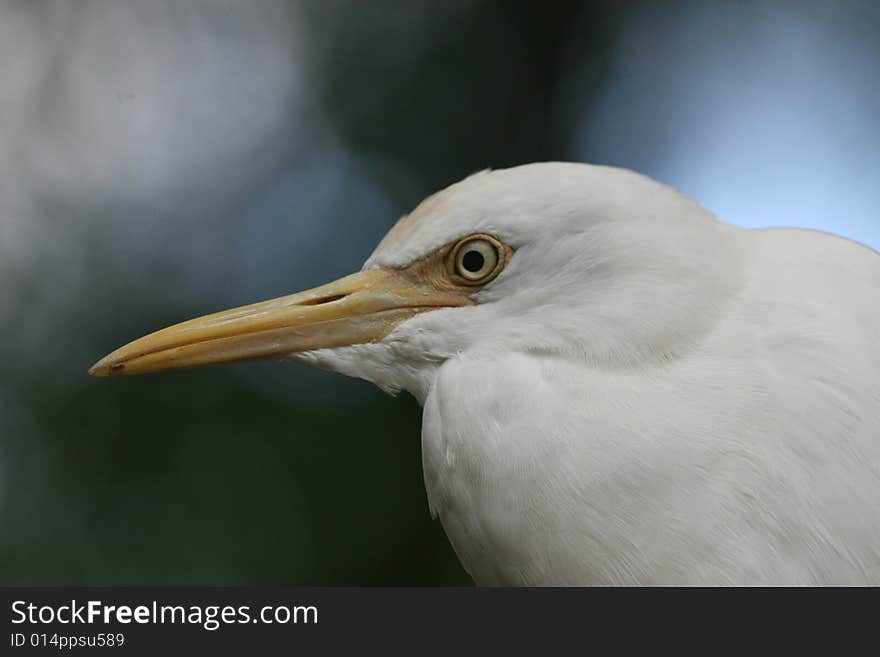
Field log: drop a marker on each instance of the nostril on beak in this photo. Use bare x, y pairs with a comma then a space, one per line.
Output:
322, 300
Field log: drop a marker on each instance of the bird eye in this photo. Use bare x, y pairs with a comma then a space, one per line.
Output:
477, 259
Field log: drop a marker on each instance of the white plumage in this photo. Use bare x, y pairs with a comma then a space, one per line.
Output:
644, 395
617, 389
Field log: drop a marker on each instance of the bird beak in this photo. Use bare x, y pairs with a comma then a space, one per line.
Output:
363, 307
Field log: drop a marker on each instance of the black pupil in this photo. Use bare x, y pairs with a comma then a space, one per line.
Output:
473, 261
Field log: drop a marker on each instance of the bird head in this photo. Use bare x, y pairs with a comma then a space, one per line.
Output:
562, 259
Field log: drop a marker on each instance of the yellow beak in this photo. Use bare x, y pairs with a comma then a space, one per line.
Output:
363, 307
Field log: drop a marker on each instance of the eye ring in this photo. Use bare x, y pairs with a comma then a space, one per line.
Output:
477, 259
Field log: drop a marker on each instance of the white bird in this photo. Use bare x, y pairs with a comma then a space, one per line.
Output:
617, 387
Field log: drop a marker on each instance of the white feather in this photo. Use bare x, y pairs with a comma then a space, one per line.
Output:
645, 395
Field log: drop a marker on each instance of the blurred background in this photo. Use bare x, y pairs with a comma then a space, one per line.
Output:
160, 160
